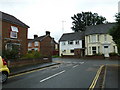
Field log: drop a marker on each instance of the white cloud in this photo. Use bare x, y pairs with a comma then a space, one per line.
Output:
47, 15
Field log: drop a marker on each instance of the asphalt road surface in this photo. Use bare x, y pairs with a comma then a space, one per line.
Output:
71, 73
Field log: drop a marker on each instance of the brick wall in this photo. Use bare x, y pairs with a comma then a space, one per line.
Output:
46, 47
22, 36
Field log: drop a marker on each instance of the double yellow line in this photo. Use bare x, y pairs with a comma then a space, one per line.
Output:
92, 86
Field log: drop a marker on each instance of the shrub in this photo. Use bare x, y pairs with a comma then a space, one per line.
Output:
11, 54
113, 54
98, 54
32, 54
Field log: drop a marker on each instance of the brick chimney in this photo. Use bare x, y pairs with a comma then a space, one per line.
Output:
35, 36
47, 33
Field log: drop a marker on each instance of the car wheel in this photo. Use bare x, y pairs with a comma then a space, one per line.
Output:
4, 77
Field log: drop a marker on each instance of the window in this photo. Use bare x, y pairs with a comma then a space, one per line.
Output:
29, 44
77, 42
98, 49
105, 37
36, 49
93, 38
70, 42
63, 43
71, 51
8, 46
89, 50
98, 38
94, 50
64, 51
13, 33
36, 43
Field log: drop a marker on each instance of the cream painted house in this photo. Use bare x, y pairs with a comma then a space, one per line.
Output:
97, 40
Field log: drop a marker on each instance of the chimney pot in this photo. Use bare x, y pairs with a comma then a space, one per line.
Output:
47, 33
35, 36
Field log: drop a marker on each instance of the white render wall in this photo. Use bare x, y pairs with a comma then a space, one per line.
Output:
67, 47
101, 43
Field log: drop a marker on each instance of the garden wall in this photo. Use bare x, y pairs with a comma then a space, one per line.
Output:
23, 62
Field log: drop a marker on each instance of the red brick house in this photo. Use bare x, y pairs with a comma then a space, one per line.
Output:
13, 33
43, 44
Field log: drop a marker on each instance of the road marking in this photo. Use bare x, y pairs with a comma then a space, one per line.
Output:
52, 76
92, 86
75, 66
81, 62
27, 72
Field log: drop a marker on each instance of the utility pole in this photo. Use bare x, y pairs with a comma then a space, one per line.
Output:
119, 7
63, 26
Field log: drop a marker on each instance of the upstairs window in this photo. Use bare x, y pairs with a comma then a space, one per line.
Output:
36, 43
14, 31
63, 43
29, 44
70, 42
77, 42
93, 38
105, 37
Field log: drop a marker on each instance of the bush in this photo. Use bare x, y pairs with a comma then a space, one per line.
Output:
32, 55
113, 54
10, 54
98, 54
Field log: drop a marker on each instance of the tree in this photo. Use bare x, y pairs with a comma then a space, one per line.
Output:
81, 20
115, 32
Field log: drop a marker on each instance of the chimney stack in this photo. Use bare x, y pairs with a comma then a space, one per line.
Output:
35, 36
47, 33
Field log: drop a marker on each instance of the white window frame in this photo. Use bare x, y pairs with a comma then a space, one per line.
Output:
94, 50
77, 42
29, 44
105, 37
93, 38
36, 43
63, 43
14, 32
70, 42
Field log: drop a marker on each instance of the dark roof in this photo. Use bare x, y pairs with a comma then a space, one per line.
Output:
38, 39
72, 36
99, 29
11, 19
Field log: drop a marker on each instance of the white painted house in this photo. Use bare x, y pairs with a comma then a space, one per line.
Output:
72, 44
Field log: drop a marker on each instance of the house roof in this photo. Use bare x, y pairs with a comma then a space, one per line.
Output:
38, 39
11, 19
72, 36
99, 29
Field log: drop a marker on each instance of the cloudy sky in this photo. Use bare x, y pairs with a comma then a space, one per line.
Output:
55, 15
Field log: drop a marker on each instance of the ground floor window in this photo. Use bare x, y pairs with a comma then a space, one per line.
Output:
94, 50
71, 51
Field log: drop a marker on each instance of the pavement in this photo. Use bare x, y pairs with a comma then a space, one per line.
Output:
112, 76
22, 69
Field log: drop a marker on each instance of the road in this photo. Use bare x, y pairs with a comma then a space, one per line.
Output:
71, 73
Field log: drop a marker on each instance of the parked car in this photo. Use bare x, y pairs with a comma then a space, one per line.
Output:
4, 71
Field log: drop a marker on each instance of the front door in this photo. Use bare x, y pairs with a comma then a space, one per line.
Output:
106, 51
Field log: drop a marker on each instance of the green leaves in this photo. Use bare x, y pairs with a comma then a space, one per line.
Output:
81, 20
115, 32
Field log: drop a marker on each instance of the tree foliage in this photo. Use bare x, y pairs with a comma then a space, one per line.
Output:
115, 32
80, 20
